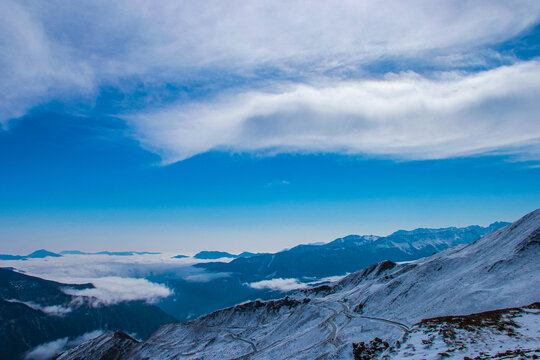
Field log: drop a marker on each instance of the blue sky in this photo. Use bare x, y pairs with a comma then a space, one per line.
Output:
262, 125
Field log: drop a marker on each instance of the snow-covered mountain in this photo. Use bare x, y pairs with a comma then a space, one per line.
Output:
500, 270
348, 254
270, 276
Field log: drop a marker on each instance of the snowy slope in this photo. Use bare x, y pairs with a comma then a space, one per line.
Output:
110, 346
497, 271
500, 334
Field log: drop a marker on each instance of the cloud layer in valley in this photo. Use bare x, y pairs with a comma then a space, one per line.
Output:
53, 348
53, 310
279, 284
285, 285
113, 290
270, 76
116, 278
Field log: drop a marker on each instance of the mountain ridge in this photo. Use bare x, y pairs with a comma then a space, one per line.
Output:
349, 253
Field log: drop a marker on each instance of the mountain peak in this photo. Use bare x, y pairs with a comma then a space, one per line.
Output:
212, 255
355, 239
42, 253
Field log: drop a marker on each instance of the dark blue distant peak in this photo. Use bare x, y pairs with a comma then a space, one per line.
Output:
111, 253
39, 254
498, 224
249, 254
180, 256
210, 255
11, 257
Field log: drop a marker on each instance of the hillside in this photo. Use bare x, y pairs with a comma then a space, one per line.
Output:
500, 270
35, 311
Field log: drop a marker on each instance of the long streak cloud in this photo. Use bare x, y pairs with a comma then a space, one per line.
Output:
406, 116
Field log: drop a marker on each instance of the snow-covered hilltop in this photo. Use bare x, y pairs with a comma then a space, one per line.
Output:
500, 270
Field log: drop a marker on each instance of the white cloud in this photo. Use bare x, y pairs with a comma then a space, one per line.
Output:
34, 67
85, 268
205, 277
53, 310
55, 49
51, 349
113, 290
116, 278
284, 285
279, 284
48, 350
405, 115
328, 279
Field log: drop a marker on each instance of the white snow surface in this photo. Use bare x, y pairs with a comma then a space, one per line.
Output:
500, 270
520, 337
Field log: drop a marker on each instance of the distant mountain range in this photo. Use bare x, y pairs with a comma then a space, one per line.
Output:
378, 312
225, 284
34, 311
112, 253
212, 255
348, 254
230, 283
39, 254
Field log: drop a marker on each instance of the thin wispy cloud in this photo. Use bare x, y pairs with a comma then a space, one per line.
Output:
288, 76
205, 277
52, 310
406, 115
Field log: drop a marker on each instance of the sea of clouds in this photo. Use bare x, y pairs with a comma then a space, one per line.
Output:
115, 278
